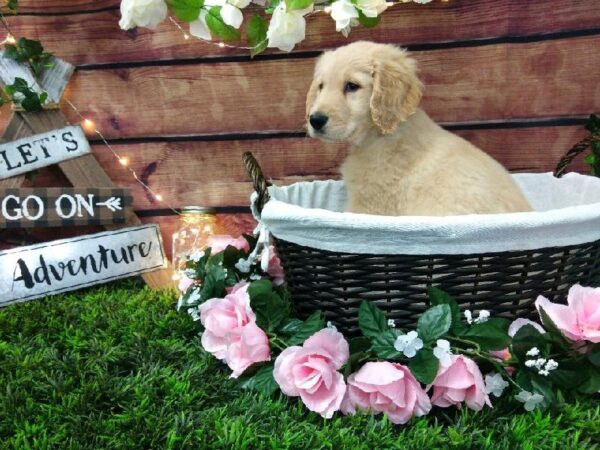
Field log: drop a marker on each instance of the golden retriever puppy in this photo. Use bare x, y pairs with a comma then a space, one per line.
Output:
400, 161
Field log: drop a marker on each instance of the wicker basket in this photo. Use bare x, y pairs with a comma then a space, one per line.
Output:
505, 283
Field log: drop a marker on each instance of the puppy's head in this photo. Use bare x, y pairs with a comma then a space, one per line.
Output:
359, 89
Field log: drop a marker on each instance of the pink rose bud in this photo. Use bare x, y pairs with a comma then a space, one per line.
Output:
386, 387
248, 345
220, 242
184, 283
579, 320
311, 371
275, 270
460, 382
222, 316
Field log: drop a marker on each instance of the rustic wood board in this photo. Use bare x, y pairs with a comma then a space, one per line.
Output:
65, 6
408, 24
491, 82
211, 173
232, 224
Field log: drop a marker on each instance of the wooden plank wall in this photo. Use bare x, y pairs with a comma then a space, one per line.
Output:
516, 78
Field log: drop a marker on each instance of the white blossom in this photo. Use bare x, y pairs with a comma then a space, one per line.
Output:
287, 28
422, 2
468, 316
372, 8
230, 13
483, 316
345, 15
408, 344
495, 384
197, 256
194, 296
551, 365
442, 352
255, 277
243, 265
194, 313
142, 13
331, 326
530, 363
534, 351
391, 323
530, 400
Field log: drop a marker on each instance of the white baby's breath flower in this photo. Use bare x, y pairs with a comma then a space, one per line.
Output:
531, 401
194, 313
197, 256
345, 15
530, 363
495, 384
534, 351
372, 8
544, 372
255, 277
551, 365
483, 316
468, 316
287, 28
391, 323
243, 265
443, 353
142, 13
539, 363
408, 344
331, 326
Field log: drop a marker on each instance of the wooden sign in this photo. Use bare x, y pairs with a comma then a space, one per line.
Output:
40, 150
59, 266
62, 207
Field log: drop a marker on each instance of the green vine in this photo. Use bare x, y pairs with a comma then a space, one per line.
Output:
593, 158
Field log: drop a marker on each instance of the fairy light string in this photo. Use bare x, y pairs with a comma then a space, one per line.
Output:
90, 126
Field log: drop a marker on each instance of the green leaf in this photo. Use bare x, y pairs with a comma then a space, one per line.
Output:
536, 384
590, 159
262, 381
569, 374
439, 297
424, 366
383, 345
219, 28
186, 10
257, 35
13, 5
29, 48
297, 4
593, 124
368, 22
594, 355
592, 384
290, 326
525, 339
371, 320
270, 309
310, 326
434, 323
488, 336
359, 344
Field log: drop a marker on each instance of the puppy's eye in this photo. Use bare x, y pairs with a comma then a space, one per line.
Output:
351, 87
321, 86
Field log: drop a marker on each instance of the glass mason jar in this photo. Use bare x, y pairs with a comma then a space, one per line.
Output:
197, 226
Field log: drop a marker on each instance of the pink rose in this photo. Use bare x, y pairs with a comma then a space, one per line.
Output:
386, 387
461, 381
184, 283
311, 371
242, 285
218, 243
221, 317
275, 270
579, 320
248, 345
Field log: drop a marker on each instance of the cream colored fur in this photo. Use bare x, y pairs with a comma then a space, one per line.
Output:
400, 161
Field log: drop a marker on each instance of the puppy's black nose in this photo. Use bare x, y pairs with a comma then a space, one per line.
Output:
318, 120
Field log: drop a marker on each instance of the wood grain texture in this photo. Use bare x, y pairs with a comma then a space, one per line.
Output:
494, 82
407, 24
232, 224
212, 174
64, 6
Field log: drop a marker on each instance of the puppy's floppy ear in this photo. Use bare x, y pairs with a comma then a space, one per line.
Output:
397, 91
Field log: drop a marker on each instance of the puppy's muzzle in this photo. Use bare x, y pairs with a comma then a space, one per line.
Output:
318, 120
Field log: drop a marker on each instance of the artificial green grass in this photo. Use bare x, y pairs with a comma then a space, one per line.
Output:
116, 367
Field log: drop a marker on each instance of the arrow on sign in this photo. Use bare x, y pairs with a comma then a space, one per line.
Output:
113, 203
